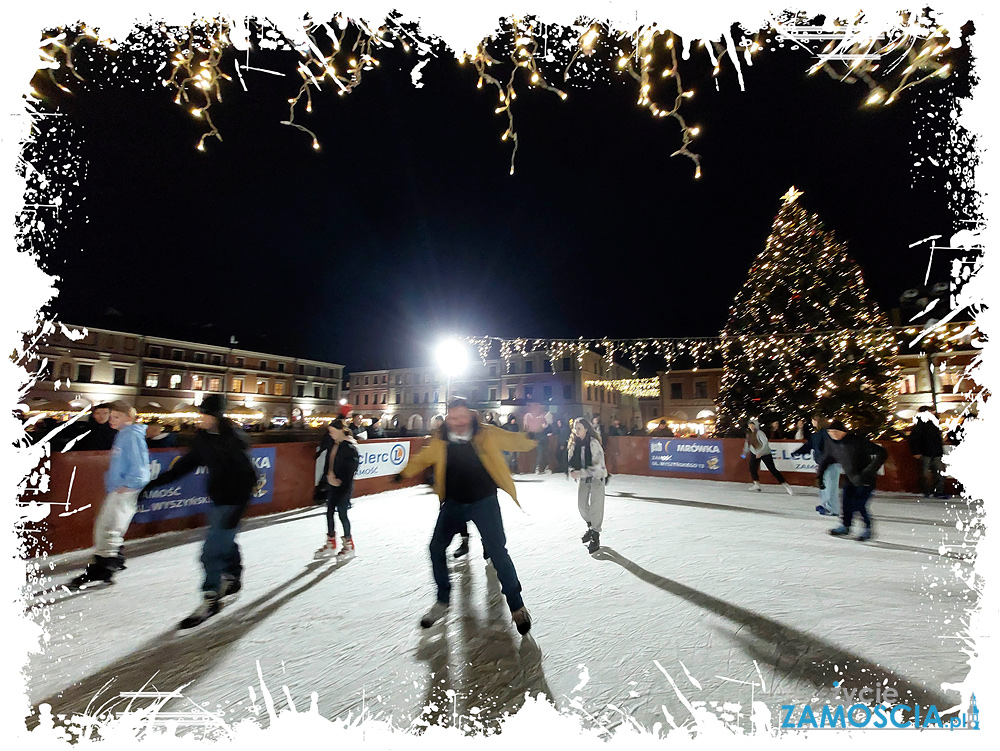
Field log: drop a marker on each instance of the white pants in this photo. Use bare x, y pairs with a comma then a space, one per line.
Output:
590, 495
112, 522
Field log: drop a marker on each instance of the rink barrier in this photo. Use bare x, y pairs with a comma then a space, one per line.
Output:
66, 529
294, 473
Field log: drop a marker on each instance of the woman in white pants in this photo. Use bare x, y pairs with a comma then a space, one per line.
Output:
586, 463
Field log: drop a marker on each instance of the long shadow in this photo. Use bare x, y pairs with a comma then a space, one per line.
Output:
181, 659
789, 651
971, 556
150, 545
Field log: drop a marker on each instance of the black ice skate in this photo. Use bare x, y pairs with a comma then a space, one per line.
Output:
595, 543
462, 549
522, 619
211, 604
587, 536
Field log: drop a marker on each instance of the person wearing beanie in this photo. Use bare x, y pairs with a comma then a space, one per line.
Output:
222, 448
469, 468
860, 460
759, 449
342, 462
126, 476
815, 442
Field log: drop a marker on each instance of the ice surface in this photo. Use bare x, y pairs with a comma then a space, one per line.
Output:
701, 573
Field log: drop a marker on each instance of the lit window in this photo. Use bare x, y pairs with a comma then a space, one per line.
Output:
215, 384
152, 380
197, 383
279, 388
238, 385
175, 381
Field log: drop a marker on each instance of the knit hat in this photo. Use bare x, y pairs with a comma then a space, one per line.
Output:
213, 404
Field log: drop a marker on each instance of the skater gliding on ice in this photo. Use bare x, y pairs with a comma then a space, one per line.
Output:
815, 444
861, 460
469, 468
124, 480
223, 448
586, 463
341, 463
760, 451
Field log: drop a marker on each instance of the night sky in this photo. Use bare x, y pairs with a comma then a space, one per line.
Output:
407, 225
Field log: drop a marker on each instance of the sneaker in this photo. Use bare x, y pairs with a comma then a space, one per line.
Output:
587, 536
788, 488
229, 586
327, 550
210, 606
840, 531
462, 549
822, 510
522, 619
595, 543
438, 611
866, 535
346, 549
754, 486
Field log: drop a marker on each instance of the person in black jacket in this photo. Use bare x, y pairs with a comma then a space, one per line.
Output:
815, 443
96, 434
860, 460
341, 464
927, 447
223, 449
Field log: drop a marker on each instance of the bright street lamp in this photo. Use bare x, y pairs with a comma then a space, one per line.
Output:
451, 358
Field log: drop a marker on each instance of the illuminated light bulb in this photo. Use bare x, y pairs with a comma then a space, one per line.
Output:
622, 62
944, 71
309, 107
697, 172
563, 94
875, 98
352, 62
670, 43
688, 94
647, 58
694, 131
316, 144
201, 145
534, 78
196, 112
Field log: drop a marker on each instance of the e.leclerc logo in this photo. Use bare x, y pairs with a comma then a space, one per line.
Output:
396, 455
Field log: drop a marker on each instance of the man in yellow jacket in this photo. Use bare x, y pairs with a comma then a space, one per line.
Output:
468, 469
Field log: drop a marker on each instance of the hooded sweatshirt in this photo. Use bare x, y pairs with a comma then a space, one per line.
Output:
763, 449
129, 459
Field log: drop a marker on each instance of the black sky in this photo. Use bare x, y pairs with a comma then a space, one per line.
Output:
406, 224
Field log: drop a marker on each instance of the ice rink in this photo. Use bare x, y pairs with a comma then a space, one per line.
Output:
735, 594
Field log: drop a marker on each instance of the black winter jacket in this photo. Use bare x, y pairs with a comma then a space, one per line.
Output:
345, 464
231, 474
925, 439
859, 457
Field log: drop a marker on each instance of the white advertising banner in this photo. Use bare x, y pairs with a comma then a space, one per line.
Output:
381, 459
785, 462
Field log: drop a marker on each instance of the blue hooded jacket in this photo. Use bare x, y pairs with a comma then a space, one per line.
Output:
129, 460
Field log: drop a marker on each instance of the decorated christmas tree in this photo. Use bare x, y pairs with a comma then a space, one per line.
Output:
804, 336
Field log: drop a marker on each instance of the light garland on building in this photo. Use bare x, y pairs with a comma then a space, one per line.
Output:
641, 388
914, 54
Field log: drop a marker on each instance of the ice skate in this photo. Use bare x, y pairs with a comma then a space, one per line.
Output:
230, 586
587, 536
462, 549
595, 543
788, 488
327, 551
210, 605
97, 572
754, 486
822, 510
840, 531
866, 535
522, 619
346, 549
438, 611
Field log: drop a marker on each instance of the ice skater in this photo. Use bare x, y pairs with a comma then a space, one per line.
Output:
586, 463
861, 460
759, 449
469, 468
341, 464
463, 546
124, 480
223, 449
815, 444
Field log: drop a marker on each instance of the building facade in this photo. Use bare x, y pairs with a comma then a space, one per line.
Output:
168, 376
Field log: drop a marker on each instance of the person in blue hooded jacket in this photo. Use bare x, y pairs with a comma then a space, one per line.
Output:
829, 494
127, 474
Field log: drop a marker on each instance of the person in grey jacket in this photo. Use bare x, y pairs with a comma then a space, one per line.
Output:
759, 449
861, 460
586, 464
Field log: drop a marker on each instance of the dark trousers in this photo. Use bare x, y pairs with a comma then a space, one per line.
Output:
338, 501
562, 461
855, 500
463, 528
769, 463
220, 553
485, 514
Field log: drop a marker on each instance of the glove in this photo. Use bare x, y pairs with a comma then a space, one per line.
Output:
820, 484
397, 478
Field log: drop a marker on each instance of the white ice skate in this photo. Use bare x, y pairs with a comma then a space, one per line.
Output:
754, 486
346, 549
788, 488
327, 551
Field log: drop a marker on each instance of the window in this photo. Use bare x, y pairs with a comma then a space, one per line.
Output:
281, 367
315, 392
129, 345
329, 392
197, 383
529, 366
427, 396
332, 373
215, 384
512, 392
357, 399
216, 359
908, 384
175, 380
427, 379
546, 366
493, 370
528, 393
568, 392
199, 357
177, 354
319, 371
279, 388
385, 379
493, 395
399, 379
601, 390
437, 396
701, 389
300, 389
238, 385
511, 368
302, 369
153, 351
152, 380
676, 390
397, 395
263, 365
588, 394
261, 387
84, 373
565, 364
120, 375
366, 400
384, 398
240, 362
547, 393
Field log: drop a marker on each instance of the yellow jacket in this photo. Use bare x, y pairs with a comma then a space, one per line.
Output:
489, 443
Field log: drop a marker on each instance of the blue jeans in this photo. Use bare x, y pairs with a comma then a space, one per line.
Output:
829, 496
485, 514
220, 554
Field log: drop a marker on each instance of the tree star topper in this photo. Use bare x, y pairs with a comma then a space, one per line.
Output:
791, 195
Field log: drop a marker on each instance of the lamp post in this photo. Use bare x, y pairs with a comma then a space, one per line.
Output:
451, 358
